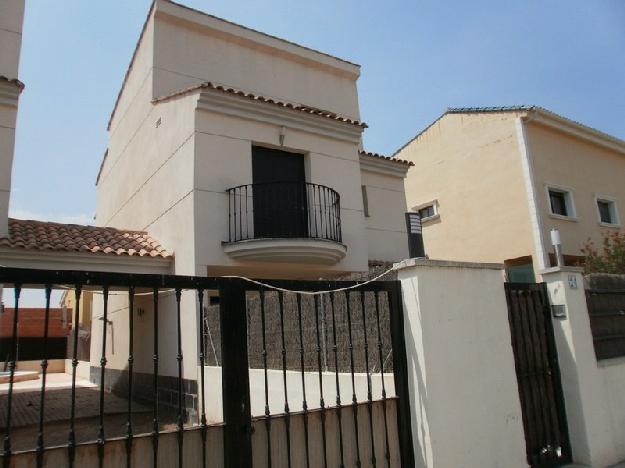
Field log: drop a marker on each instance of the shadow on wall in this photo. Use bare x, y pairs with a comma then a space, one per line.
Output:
420, 430
116, 381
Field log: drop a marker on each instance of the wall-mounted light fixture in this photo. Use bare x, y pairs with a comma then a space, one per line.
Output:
556, 241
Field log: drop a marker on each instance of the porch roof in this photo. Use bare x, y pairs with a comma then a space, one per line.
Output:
58, 237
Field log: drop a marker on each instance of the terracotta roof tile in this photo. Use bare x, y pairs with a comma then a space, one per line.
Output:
41, 235
387, 158
265, 99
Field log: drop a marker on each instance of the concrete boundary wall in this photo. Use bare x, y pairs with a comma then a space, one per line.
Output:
463, 387
214, 400
594, 392
142, 454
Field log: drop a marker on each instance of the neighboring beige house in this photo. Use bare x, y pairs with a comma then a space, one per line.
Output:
491, 183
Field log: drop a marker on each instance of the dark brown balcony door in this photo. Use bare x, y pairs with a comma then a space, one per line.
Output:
279, 194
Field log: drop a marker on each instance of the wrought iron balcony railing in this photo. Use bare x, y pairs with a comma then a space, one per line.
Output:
283, 210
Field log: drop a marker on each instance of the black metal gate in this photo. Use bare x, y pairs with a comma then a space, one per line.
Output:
323, 344
327, 349
538, 375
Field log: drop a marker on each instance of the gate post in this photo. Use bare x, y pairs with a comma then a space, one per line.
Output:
400, 374
235, 375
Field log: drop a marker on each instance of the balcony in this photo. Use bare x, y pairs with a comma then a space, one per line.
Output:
284, 222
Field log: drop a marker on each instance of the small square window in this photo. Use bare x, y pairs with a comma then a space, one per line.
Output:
427, 212
365, 200
558, 201
607, 211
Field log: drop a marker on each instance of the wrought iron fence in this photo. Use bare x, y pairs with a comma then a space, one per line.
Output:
283, 210
258, 335
334, 337
606, 308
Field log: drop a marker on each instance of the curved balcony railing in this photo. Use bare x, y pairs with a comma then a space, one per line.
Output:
283, 210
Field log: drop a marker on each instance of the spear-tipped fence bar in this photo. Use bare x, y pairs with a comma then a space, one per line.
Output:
317, 337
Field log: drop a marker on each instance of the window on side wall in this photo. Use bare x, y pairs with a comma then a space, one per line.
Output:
427, 211
608, 213
561, 202
365, 200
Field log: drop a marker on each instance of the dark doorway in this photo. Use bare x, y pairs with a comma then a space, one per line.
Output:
279, 194
538, 375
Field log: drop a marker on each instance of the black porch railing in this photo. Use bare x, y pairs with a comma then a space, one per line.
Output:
328, 337
283, 210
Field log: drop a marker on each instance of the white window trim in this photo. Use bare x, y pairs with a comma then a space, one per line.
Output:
617, 216
434, 204
570, 202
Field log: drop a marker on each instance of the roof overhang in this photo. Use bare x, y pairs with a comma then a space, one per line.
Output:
49, 260
540, 116
575, 129
233, 105
10, 91
383, 166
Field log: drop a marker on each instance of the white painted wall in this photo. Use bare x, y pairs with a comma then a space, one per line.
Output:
387, 239
463, 388
117, 333
223, 159
83, 369
191, 47
594, 393
212, 381
11, 19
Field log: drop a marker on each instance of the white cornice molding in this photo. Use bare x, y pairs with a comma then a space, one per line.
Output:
314, 251
9, 93
22, 258
249, 109
383, 166
575, 129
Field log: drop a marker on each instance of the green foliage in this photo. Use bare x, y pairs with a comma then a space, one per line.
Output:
611, 258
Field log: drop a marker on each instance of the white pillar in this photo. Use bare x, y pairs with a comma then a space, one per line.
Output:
462, 381
588, 417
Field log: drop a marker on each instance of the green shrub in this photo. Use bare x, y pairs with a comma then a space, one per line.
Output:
610, 259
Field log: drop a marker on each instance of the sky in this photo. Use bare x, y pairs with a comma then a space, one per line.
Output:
417, 58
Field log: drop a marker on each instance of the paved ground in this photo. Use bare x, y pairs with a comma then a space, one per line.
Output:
618, 465
26, 404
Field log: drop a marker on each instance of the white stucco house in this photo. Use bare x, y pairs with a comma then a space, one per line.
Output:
231, 152
241, 153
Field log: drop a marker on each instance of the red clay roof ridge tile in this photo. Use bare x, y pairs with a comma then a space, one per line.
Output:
258, 97
386, 158
60, 237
